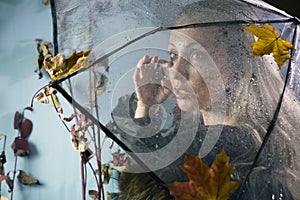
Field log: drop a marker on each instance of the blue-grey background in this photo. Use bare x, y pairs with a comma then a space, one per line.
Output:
53, 160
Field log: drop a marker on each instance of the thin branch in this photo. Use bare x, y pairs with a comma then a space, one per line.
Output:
159, 29
100, 185
109, 134
82, 161
93, 170
83, 184
32, 99
13, 179
54, 26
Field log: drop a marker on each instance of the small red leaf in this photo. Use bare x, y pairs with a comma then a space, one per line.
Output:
16, 120
3, 178
20, 147
28, 108
26, 128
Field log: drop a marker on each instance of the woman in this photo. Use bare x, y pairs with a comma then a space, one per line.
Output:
230, 95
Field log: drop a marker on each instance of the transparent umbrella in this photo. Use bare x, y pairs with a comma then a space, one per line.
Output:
169, 78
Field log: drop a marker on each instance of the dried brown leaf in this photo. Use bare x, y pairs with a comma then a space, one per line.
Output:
205, 183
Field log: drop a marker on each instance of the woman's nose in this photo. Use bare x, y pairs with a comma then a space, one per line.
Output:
180, 66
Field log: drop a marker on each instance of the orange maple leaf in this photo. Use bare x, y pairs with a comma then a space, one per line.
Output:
205, 183
269, 42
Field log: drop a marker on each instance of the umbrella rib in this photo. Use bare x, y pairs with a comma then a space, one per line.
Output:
54, 26
159, 29
108, 133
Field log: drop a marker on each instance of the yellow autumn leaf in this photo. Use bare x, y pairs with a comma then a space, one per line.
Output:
270, 42
58, 66
106, 172
26, 179
1, 136
205, 183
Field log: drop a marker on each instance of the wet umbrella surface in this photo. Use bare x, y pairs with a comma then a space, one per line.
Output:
165, 79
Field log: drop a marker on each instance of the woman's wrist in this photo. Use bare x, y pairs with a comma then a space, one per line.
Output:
142, 110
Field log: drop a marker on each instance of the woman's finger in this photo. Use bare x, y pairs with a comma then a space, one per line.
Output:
137, 74
154, 59
140, 67
143, 61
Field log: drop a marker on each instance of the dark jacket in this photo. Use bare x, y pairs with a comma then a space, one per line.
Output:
187, 134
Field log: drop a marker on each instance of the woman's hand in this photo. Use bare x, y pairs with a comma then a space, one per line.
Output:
151, 84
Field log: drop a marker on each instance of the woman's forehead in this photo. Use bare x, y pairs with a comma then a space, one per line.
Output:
195, 38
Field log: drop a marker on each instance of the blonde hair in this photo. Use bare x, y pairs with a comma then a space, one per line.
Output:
253, 87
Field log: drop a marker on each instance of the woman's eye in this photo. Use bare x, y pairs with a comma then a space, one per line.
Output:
173, 55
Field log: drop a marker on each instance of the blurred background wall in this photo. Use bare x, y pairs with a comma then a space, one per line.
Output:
52, 159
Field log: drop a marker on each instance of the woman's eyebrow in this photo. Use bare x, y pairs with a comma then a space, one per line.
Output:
189, 45
195, 45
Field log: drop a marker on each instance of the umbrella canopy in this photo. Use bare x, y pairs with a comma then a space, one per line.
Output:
214, 93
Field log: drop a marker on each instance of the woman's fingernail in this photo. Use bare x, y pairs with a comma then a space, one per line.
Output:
145, 58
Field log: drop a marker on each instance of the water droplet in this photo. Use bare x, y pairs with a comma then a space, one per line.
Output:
273, 196
281, 195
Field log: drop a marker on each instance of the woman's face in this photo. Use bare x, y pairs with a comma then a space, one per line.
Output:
187, 72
